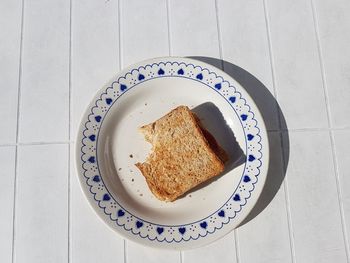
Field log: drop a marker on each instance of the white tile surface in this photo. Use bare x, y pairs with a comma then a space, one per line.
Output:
144, 30
137, 253
245, 44
10, 38
41, 225
270, 228
298, 49
91, 239
342, 143
334, 35
193, 35
244, 41
95, 52
314, 205
223, 249
45, 72
95, 60
296, 63
7, 177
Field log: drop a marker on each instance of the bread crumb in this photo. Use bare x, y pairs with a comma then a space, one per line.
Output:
131, 156
132, 180
119, 169
141, 194
145, 103
190, 196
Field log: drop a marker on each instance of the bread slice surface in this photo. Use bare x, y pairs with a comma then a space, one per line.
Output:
183, 154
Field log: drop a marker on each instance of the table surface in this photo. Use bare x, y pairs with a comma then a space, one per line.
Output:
56, 54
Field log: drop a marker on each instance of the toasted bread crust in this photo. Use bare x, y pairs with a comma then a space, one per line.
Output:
182, 155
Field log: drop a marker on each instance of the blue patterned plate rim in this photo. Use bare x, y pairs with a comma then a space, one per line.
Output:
173, 236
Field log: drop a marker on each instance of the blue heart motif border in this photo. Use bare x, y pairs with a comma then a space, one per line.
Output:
135, 225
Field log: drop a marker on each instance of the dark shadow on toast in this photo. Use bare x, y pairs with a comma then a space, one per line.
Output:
276, 126
213, 121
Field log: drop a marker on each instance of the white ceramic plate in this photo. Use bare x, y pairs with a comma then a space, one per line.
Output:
109, 144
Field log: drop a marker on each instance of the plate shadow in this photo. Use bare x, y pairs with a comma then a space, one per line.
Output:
276, 126
215, 123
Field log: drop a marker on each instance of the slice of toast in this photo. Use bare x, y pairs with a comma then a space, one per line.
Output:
183, 154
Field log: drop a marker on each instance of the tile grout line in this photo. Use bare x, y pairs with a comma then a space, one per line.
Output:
288, 210
69, 205
285, 183
119, 35
34, 143
219, 34
69, 129
272, 64
15, 185
120, 61
331, 134
125, 255
168, 24
14, 205
20, 75
236, 243
323, 75
271, 130
8, 144
339, 191
310, 129
287, 201
235, 233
